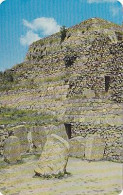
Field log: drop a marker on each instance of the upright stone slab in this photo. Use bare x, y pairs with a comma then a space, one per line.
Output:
77, 147
39, 137
12, 152
94, 149
54, 157
21, 132
29, 138
58, 130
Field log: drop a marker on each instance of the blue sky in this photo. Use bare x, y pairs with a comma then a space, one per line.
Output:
24, 21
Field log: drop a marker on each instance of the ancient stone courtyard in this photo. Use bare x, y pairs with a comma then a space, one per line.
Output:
102, 177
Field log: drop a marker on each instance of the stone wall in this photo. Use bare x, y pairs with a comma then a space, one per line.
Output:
33, 138
111, 134
3, 135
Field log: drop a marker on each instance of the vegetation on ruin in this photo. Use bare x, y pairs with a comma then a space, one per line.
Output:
13, 116
38, 81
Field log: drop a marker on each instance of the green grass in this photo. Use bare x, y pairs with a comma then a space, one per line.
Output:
15, 117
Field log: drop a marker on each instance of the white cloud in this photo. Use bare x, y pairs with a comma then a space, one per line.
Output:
114, 10
29, 38
44, 26
47, 26
1, 1
121, 1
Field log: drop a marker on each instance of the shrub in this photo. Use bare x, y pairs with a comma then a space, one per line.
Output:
69, 60
63, 33
1, 73
8, 76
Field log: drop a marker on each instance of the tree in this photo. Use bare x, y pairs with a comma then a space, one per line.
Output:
63, 32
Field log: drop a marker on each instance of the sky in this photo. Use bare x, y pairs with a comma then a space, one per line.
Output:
25, 21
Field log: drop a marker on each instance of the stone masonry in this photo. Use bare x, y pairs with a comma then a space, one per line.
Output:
77, 81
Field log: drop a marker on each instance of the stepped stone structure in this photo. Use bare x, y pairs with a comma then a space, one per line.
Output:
78, 81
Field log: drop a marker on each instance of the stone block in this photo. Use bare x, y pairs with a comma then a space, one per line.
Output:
12, 150
58, 130
39, 137
21, 132
77, 147
94, 148
54, 158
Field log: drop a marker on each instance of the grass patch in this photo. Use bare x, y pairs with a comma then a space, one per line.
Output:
15, 117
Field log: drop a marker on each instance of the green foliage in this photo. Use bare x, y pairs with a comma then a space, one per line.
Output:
8, 76
69, 60
6, 80
63, 32
1, 73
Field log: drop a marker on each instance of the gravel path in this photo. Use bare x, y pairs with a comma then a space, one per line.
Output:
93, 178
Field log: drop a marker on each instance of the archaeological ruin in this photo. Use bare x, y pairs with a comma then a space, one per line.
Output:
74, 86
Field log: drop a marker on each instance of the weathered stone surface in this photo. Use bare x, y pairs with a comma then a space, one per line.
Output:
39, 137
54, 157
77, 147
88, 93
3, 136
29, 138
21, 133
94, 149
111, 134
77, 93
58, 130
12, 150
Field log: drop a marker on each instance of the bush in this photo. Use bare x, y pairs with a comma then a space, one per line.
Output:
69, 60
63, 33
8, 76
1, 73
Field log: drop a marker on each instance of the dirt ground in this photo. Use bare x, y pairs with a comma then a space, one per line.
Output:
93, 178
